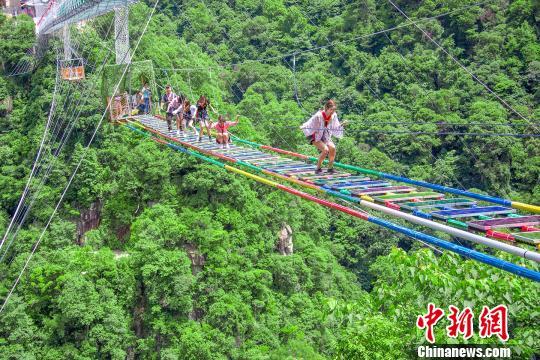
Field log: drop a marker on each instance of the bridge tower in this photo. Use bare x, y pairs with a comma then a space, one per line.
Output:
66, 35
121, 35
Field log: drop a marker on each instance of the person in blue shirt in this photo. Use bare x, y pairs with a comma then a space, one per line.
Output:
147, 97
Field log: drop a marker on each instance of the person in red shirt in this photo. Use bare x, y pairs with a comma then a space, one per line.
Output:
221, 127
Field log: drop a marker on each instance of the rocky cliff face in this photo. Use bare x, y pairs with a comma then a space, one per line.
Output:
90, 219
285, 240
197, 259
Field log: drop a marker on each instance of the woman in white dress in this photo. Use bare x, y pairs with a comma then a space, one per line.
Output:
319, 131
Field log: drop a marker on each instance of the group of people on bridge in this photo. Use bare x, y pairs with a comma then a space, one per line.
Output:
179, 111
126, 104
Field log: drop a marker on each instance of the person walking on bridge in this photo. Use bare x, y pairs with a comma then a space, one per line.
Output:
319, 130
167, 99
147, 97
201, 116
188, 115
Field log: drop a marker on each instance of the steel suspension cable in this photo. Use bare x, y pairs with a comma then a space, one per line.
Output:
51, 164
36, 245
478, 80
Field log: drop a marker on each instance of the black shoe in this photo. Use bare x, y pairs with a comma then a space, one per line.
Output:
209, 138
200, 139
318, 171
331, 171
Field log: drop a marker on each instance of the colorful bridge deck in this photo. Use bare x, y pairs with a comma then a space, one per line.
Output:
418, 201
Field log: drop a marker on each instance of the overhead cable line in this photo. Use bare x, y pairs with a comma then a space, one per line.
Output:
36, 160
331, 44
36, 245
371, 122
488, 134
459, 63
21, 216
428, 94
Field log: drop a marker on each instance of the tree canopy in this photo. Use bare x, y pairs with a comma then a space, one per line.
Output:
183, 263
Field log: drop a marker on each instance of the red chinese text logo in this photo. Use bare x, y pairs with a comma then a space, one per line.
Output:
491, 322
460, 322
494, 322
429, 320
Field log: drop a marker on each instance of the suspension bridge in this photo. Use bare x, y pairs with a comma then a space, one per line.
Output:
483, 219
501, 224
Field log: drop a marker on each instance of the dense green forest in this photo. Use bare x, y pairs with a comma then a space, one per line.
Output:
184, 263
